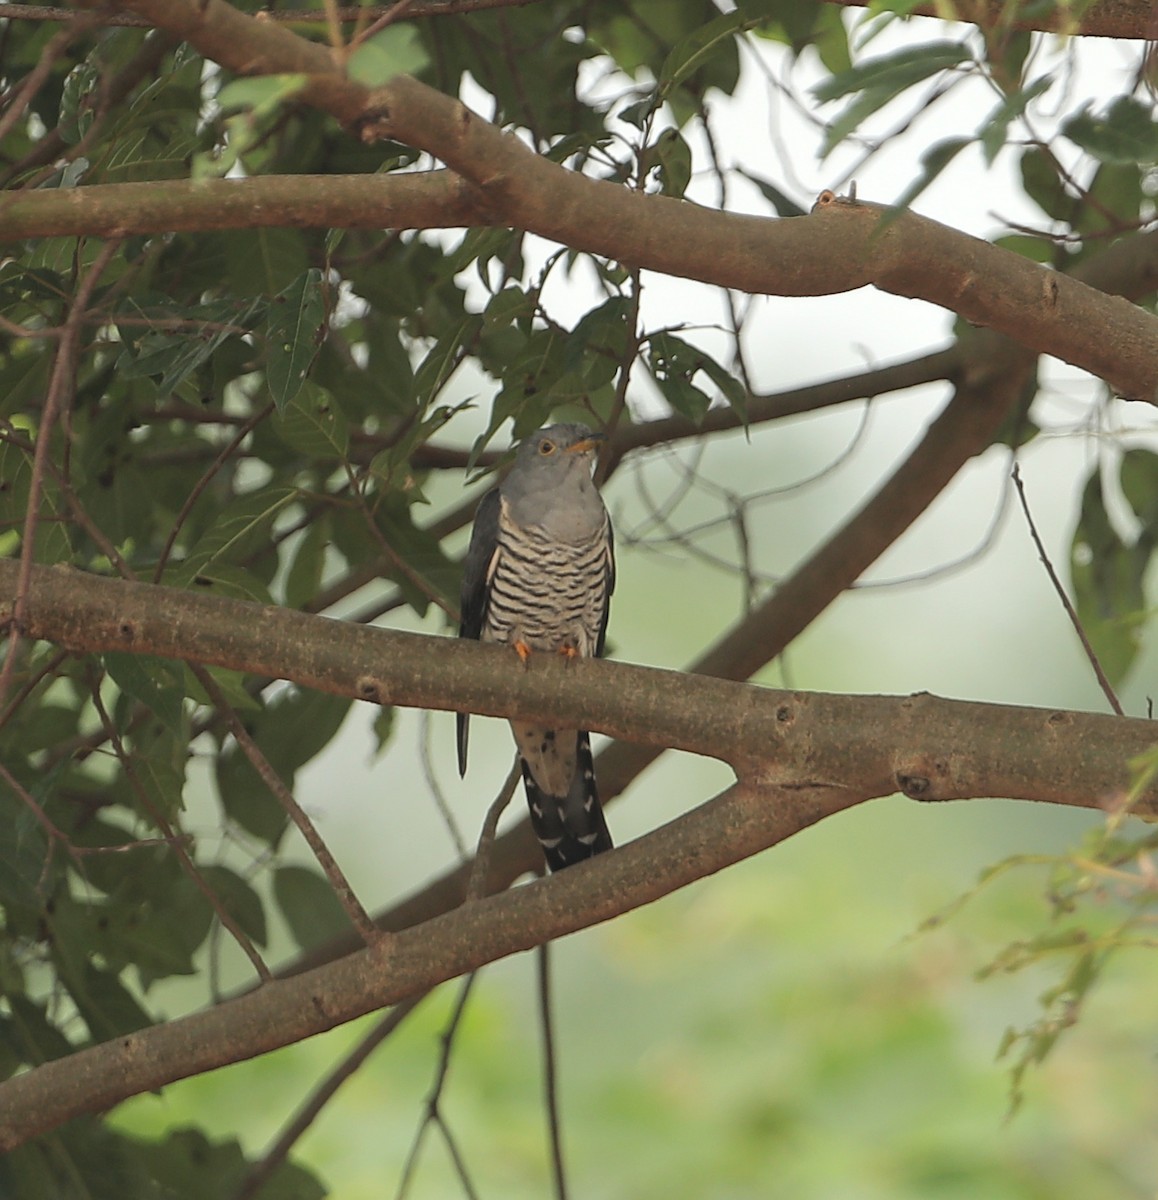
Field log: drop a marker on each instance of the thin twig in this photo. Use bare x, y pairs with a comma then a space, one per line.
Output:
171, 835
431, 1114
426, 757
59, 395
195, 492
396, 12
57, 45
1106, 686
550, 1072
261, 1171
338, 881
476, 887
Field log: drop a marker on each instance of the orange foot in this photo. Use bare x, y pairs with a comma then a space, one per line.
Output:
523, 651
568, 652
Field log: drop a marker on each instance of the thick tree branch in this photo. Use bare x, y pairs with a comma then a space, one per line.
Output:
420, 200
873, 744
735, 825
1133, 19
840, 247
750, 816
1103, 18
932, 748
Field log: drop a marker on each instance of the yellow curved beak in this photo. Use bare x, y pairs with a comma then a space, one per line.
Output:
588, 443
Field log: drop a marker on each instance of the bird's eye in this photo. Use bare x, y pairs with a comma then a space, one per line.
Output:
547, 447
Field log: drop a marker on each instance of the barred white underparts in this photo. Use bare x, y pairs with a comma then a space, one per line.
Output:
539, 576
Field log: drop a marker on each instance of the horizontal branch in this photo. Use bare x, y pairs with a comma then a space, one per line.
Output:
801, 757
742, 821
929, 748
841, 246
1129, 19
418, 200
1102, 18
360, 14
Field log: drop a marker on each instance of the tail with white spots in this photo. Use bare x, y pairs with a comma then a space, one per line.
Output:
569, 828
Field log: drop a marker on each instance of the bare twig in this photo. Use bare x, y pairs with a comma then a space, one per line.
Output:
338, 881
195, 492
32, 82
480, 868
550, 1071
432, 1115
61, 385
262, 1170
1103, 681
172, 836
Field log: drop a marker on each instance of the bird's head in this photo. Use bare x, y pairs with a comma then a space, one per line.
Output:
556, 452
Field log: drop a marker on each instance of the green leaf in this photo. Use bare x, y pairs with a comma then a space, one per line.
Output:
594, 349
697, 48
995, 130
187, 1164
262, 95
262, 262
159, 760
881, 80
290, 731
247, 800
52, 543
239, 900
890, 74
304, 577
428, 571
24, 854
396, 50
77, 107
219, 578
1125, 134
295, 323
1043, 185
312, 423
1138, 475
671, 157
509, 305
933, 162
240, 528
384, 724
443, 359
105, 1005
675, 365
30, 1035
176, 356
307, 901
153, 682
783, 204
1107, 577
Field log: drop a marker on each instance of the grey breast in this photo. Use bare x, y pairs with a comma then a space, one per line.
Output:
546, 591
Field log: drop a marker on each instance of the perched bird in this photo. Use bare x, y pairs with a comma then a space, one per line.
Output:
538, 576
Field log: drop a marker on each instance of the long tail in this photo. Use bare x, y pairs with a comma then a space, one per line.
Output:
569, 828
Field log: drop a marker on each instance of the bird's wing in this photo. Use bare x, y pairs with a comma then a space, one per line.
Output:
484, 545
609, 579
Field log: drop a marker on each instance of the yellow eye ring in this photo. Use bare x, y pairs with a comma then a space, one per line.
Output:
547, 447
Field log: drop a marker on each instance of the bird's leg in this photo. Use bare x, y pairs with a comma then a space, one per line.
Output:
568, 651
522, 650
